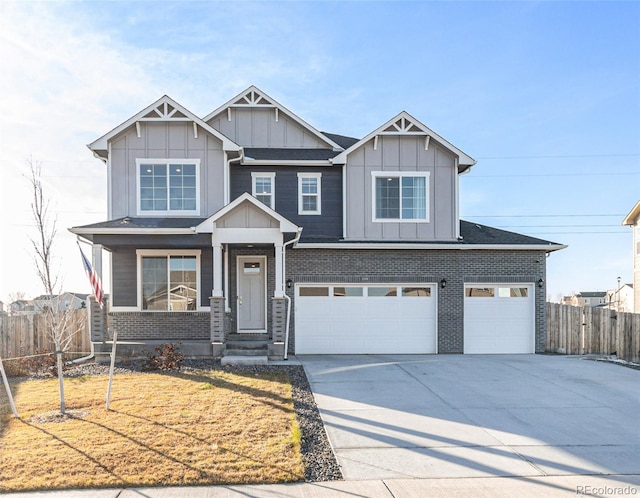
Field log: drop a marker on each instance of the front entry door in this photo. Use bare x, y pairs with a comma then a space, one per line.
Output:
251, 296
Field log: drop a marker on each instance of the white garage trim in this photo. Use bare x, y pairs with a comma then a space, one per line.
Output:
357, 318
499, 318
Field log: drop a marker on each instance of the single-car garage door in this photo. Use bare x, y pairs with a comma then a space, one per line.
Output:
365, 319
499, 318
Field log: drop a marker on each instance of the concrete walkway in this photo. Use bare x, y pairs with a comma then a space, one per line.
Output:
455, 416
498, 487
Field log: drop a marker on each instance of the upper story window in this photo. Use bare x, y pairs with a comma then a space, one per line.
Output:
309, 193
263, 188
168, 186
400, 196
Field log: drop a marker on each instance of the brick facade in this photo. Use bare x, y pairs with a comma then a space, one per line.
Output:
149, 325
407, 266
360, 265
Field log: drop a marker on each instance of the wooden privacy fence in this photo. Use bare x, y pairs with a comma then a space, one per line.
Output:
585, 330
23, 335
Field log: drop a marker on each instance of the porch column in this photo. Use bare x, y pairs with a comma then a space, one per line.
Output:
96, 255
279, 291
218, 290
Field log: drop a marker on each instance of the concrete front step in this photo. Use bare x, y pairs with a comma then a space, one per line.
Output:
247, 337
244, 360
247, 344
245, 352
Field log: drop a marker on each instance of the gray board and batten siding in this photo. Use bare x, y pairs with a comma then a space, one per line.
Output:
171, 140
257, 127
326, 225
396, 153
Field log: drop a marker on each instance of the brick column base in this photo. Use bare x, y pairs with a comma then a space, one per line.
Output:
217, 325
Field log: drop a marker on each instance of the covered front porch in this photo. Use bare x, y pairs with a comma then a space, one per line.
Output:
249, 305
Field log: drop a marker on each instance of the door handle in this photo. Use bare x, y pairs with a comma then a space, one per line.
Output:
240, 300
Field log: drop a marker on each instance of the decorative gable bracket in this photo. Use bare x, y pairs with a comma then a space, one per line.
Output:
404, 126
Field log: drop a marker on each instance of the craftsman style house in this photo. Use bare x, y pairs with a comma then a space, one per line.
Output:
250, 223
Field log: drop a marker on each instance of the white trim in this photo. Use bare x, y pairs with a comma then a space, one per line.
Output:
401, 174
455, 246
318, 195
167, 161
109, 186
208, 225
272, 177
254, 102
263, 260
344, 201
464, 158
140, 253
102, 142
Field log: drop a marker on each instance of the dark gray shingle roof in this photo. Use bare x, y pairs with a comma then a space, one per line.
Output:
341, 140
268, 154
135, 222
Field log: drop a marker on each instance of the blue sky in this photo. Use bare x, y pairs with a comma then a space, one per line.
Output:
545, 95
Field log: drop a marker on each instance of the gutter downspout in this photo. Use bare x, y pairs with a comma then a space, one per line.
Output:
284, 269
227, 176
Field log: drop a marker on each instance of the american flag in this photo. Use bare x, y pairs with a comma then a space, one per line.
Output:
96, 284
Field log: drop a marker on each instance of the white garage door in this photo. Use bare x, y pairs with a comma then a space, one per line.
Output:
499, 318
365, 319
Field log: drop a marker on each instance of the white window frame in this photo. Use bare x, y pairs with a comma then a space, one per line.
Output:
272, 176
167, 162
318, 176
140, 253
399, 174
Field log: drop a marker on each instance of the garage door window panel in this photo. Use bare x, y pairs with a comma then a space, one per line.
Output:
416, 292
382, 291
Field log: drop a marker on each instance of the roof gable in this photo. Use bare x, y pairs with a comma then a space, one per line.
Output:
246, 212
406, 125
256, 98
162, 110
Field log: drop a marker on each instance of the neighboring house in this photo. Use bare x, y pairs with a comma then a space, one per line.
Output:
633, 220
2, 311
61, 302
591, 298
252, 221
621, 299
22, 307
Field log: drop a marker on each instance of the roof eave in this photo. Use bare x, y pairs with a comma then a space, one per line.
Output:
434, 245
632, 217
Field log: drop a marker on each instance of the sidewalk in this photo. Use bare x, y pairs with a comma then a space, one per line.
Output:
500, 487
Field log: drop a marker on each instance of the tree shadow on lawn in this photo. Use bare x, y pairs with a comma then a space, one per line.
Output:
201, 472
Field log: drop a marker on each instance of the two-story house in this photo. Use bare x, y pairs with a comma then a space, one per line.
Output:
251, 223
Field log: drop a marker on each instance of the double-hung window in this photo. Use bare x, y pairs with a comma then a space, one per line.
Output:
263, 186
169, 280
400, 196
309, 193
168, 186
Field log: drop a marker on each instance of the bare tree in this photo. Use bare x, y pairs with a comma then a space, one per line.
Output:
60, 326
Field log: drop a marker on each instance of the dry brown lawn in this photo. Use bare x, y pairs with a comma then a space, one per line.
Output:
179, 429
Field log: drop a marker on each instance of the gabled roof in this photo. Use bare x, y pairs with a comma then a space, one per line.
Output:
341, 140
632, 217
207, 225
254, 97
163, 109
407, 125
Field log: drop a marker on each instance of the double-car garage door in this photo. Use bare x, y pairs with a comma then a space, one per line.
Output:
365, 319
402, 319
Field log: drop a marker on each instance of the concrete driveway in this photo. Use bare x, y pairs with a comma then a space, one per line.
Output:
455, 416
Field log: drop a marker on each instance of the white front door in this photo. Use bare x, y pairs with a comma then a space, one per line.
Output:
251, 295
